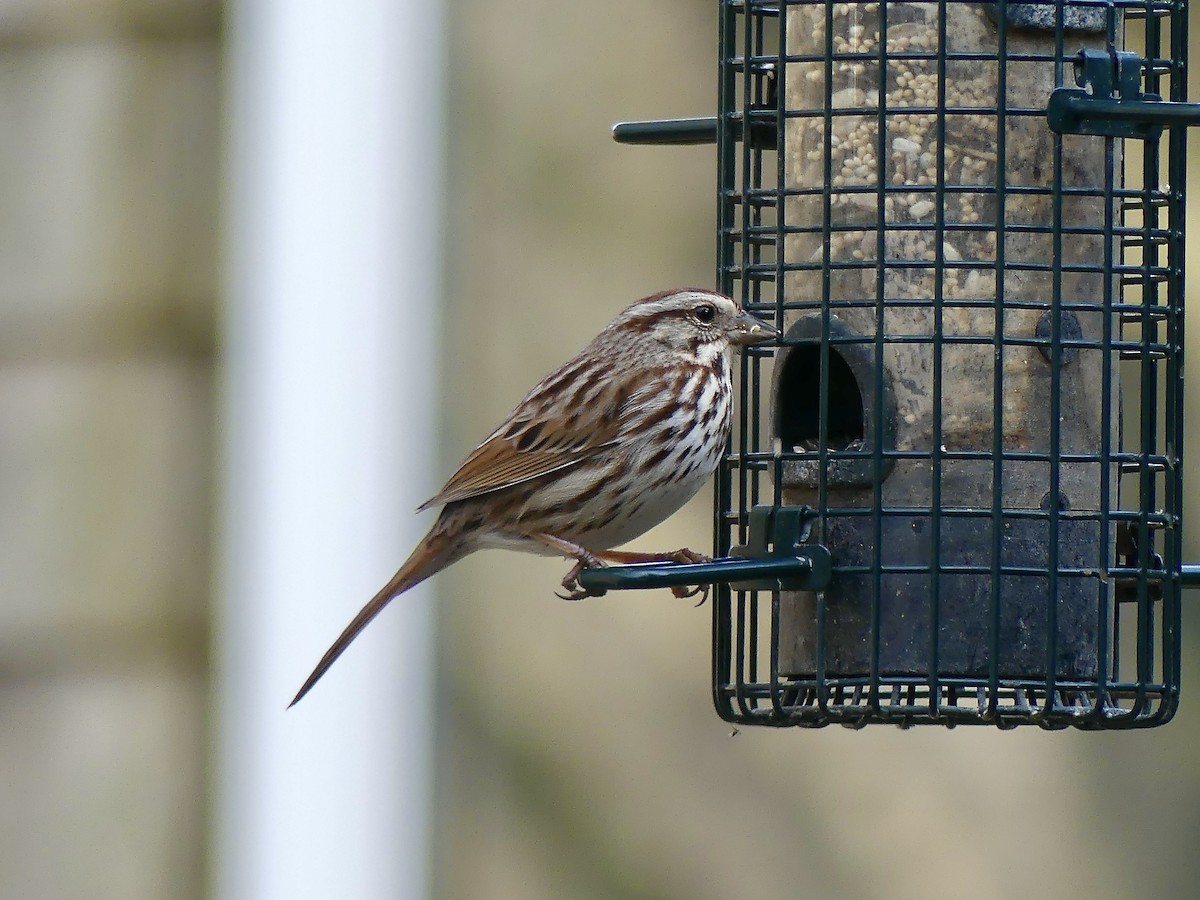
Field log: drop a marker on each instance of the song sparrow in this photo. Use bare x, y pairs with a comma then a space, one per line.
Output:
600, 451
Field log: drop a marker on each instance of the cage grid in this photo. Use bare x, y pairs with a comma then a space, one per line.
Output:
977, 403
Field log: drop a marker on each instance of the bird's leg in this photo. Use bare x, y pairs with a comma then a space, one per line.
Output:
584, 559
682, 555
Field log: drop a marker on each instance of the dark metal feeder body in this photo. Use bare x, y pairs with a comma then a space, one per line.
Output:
973, 379
959, 476
969, 299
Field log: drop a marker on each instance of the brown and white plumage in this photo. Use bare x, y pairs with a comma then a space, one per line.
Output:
601, 450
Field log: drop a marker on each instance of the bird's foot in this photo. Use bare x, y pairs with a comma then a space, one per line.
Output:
574, 590
684, 555
584, 559
683, 591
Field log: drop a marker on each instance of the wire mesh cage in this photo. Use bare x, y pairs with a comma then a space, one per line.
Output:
976, 408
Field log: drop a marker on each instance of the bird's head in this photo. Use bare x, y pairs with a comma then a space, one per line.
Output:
699, 323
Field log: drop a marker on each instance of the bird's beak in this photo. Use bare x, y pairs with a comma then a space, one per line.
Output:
749, 330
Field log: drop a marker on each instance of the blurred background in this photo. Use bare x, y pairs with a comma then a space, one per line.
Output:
532, 748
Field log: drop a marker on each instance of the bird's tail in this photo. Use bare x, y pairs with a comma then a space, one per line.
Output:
433, 554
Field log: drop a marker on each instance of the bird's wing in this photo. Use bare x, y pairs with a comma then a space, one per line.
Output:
534, 442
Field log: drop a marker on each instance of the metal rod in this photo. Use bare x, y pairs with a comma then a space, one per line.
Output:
1073, 112
1189, 575
701, 130
1150, 112
719, 571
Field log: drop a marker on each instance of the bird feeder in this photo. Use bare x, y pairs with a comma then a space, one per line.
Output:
953, 493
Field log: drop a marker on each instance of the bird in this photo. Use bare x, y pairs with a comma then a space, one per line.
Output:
598, 452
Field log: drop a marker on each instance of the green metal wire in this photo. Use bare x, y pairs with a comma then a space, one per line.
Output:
1099, 648
1110, 695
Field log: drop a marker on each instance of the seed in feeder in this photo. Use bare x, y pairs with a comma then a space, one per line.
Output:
846, 98
904, 145
921, 209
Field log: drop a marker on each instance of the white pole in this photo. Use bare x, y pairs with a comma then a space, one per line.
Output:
327, 416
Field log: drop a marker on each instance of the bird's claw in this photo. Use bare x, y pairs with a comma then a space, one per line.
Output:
684, 555
575, 591
683, 592
579, 594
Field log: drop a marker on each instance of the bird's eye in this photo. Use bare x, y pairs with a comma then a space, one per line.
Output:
705, 313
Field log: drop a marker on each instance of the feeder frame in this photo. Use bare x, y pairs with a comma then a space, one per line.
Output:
1117, 98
